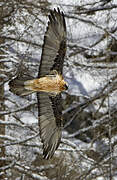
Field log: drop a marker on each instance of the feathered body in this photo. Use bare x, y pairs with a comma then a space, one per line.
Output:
51, 84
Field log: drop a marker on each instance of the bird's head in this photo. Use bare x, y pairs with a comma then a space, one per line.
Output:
62, 83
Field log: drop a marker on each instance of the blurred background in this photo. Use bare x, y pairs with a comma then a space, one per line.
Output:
88, 149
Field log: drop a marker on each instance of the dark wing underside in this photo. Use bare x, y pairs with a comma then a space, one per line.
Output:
50, 123
54, 47
49, 107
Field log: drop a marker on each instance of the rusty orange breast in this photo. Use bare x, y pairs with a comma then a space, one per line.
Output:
52, 84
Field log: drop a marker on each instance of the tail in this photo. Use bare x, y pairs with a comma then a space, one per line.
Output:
17, 86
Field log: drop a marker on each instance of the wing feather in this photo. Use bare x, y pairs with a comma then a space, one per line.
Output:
54, 47
49, 107
49, 122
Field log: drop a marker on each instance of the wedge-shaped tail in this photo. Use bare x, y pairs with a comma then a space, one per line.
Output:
17, 86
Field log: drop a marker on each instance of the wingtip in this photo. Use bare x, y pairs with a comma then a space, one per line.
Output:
57, 10
59, 13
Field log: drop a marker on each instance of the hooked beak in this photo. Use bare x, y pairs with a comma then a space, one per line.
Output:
66, 87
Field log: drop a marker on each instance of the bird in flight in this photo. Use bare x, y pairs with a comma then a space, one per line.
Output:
49, 84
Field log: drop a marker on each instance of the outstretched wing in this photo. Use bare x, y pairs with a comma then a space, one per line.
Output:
50, 112
49, 107
54, 47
